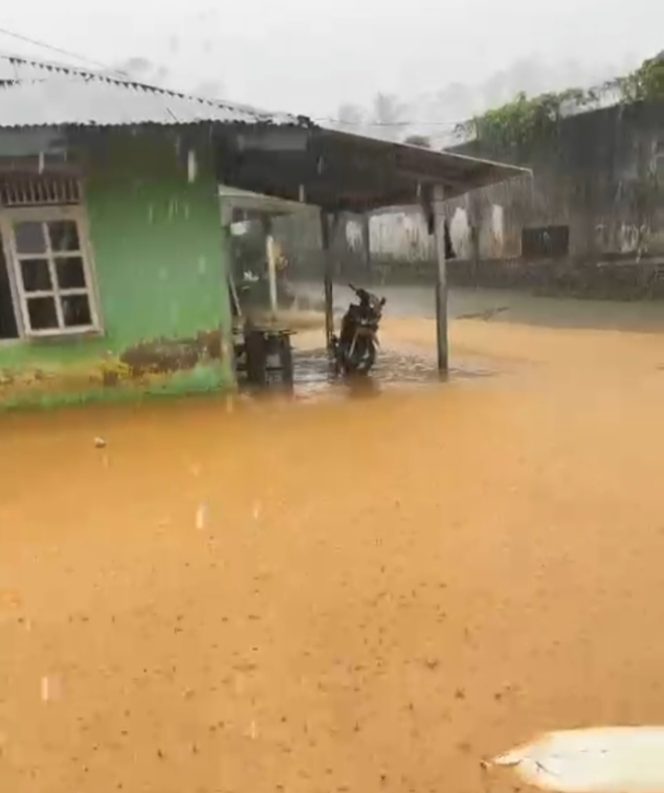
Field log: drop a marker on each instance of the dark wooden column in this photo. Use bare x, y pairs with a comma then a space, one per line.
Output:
326, 220
366, 240
438, 209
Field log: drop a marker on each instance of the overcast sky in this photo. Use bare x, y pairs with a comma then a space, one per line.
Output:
309, 56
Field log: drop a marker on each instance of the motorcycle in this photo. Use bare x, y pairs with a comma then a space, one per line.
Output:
355, 348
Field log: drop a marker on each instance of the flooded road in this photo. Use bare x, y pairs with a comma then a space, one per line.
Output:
504, 305
337, 594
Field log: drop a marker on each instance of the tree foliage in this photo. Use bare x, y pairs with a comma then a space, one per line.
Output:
526, 119
646, 83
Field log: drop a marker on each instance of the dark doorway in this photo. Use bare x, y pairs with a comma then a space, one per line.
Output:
548, 242
8, 326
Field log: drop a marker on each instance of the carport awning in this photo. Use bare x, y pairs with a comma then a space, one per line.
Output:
246, 205
342, 172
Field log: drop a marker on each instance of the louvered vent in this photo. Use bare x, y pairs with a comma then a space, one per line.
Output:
28, 191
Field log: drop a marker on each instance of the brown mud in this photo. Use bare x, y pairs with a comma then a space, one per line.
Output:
336, 594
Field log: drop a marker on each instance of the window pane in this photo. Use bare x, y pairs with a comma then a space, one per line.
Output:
64, 235
29, 237
41, 311
76, 310
71, 274
36, 275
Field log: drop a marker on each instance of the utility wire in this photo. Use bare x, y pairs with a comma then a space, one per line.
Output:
329, 120
408, 123
59, 50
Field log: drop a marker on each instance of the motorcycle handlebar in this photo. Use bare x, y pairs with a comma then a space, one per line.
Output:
359, 292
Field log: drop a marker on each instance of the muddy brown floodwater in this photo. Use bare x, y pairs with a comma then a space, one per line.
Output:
336, 594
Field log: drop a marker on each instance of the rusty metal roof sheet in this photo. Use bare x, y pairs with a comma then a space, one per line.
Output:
37, 93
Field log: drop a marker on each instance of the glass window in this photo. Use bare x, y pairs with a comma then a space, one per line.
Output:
53, 274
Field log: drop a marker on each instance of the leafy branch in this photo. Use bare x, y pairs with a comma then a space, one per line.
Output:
527, 119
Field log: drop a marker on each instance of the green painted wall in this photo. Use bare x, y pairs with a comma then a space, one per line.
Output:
160, 257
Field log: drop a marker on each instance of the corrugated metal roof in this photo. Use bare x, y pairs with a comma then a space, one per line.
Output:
36, 93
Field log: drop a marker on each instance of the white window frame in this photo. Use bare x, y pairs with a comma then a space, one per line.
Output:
44, 214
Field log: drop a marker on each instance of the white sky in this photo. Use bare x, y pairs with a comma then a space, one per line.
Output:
309, 56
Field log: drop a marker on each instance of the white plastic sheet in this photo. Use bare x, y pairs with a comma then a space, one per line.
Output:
600, 759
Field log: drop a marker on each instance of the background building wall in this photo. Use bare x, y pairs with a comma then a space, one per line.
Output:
594, 204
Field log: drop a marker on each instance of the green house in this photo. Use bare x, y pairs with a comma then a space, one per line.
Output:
113, 258
114, 255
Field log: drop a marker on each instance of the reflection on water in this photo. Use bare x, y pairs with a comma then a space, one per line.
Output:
394, 368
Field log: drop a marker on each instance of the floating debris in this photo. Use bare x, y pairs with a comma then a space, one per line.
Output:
100, 443
595, 760
10, 598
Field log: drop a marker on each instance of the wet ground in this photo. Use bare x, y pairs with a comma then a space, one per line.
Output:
504, 305
337, 594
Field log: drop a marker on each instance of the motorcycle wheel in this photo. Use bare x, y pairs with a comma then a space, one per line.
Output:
363, 358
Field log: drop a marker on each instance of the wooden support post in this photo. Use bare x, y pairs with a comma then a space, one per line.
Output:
271, 258
366, 240
237, 318
271, 253
438, 209
474, 216
325, 234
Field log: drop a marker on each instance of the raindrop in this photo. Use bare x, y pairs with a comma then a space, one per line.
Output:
50, 688
202, 516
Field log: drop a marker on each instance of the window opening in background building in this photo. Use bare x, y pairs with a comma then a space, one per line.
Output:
545, 242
